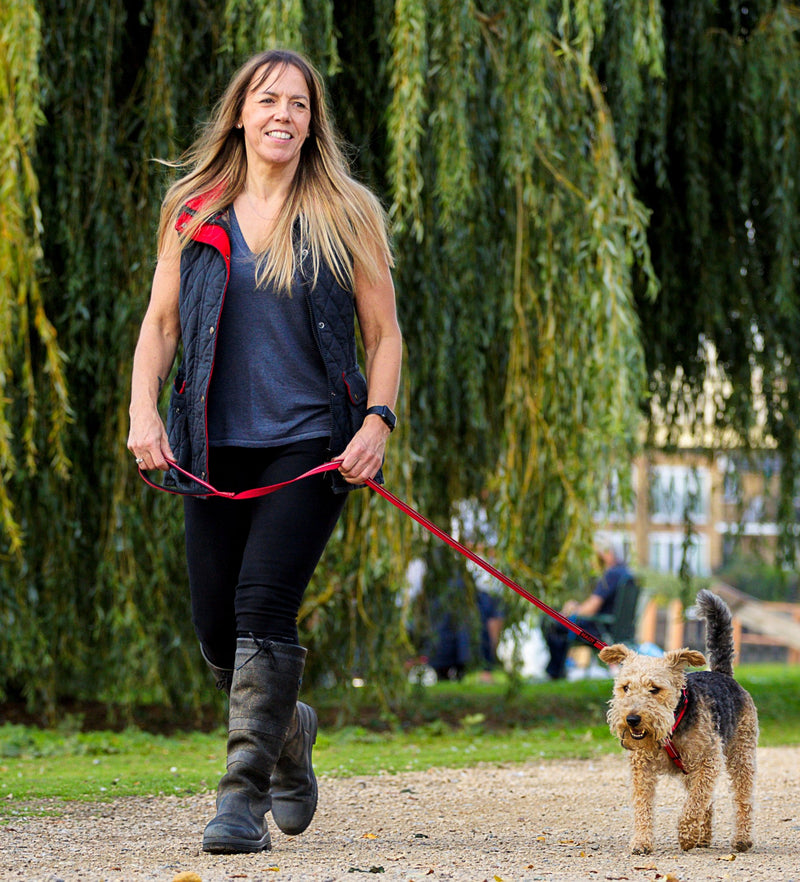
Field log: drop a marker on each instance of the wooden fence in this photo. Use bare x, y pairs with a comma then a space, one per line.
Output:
755, 623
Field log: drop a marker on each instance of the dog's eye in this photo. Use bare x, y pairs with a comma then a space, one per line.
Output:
654, 690
625, 688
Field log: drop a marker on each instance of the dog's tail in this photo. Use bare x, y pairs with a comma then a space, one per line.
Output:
719, 632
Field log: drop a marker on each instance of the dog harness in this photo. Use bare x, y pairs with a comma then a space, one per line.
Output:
672, 752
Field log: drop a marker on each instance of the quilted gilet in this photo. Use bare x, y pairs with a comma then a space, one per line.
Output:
205, 270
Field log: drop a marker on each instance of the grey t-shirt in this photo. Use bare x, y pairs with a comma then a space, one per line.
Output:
268, 386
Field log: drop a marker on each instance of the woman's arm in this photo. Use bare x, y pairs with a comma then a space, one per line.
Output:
383, 346
152, 361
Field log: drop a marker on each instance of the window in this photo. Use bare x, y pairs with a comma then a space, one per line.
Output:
677, 491
666, 553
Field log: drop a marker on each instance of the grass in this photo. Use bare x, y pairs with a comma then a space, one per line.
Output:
453, 725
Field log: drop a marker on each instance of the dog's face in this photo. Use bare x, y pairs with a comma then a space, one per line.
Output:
646, 692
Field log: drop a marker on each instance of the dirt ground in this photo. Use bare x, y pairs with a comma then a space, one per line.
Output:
566, 821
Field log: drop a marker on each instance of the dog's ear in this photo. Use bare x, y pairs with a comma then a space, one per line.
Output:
616, 654
684, 658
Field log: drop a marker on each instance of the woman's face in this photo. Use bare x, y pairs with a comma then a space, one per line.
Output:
276, 117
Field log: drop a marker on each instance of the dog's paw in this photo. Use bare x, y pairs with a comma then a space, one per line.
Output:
742, 844
641, 847
690, 834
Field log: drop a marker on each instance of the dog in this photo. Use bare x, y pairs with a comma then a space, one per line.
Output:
686, 724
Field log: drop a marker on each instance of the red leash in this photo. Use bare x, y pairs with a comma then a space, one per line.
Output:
445, 537
492, 571
412, 513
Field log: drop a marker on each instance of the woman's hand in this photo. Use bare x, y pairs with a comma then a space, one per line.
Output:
363, 456
147, 441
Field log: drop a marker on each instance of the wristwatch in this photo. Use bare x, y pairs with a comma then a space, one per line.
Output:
385, 413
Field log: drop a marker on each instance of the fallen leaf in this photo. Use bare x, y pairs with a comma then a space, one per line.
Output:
370, 870
187, 876
727, 857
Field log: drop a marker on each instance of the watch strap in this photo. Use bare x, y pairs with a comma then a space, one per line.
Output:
385, 413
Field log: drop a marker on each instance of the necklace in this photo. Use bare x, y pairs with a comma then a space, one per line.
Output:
255, 210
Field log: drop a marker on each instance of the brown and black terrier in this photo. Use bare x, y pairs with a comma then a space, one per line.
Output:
686, 724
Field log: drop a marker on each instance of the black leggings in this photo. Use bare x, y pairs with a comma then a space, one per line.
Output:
250, 560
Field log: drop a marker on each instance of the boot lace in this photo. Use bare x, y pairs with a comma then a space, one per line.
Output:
264, 645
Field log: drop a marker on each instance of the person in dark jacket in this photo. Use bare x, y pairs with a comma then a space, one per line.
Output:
610, 557
268, 253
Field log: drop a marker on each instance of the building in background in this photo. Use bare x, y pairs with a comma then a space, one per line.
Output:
694, 509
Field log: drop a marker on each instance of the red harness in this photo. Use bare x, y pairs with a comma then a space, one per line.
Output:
670, 748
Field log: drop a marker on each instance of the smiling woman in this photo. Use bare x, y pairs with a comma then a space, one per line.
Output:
268, 253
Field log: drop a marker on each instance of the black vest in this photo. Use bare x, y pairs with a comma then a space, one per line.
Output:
205, 269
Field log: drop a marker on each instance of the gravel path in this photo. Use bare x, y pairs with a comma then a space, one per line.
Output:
566, 821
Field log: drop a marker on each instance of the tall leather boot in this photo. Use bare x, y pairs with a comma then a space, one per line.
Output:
223, 677
293, 783
264, 689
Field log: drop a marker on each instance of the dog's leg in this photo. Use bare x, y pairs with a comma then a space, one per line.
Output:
644, 776
706, 827
697, 810
741, 765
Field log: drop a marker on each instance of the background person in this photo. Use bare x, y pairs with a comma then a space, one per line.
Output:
268, 221
473, 526
559, 638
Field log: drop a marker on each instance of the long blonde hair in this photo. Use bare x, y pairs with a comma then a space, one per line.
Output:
341, 222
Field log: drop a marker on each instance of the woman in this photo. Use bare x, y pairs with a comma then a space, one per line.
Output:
268, 222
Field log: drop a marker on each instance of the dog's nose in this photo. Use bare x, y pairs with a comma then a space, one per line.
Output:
633, 720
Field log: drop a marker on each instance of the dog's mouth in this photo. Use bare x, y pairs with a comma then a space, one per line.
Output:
637, 734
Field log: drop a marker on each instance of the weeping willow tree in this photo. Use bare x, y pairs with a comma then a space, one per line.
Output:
532, 155
522, 235
719, 165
